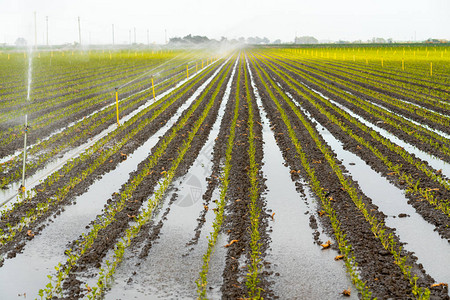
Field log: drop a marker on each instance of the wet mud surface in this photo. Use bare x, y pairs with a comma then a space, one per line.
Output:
376, 265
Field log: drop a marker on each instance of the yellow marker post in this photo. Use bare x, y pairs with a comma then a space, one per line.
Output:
431, 69
202, 62
153, 88
117, 107
382, 65
196, 68
8, 56
187, 71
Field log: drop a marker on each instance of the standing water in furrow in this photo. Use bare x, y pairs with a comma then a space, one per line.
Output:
303, 268
26, 272
412, 229
433, 161
171, 274
7, 196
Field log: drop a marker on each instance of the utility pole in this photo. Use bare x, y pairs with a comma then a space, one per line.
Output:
135, 35
46, 18
79, 30
113, 33
35, 31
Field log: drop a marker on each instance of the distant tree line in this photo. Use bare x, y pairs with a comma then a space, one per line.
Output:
197, 39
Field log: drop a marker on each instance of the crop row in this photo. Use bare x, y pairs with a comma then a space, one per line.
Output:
344, 246
377, 226
219, 211
412, 185
427, 136
83, 129
255, 243
61, 70
412, 89
379, 94
77, 105
101, 156
131, 186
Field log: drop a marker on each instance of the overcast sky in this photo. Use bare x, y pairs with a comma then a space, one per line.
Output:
281, 19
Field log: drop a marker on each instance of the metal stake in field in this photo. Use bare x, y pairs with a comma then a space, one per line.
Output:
117, 106
187, 71
24, 154
153, 88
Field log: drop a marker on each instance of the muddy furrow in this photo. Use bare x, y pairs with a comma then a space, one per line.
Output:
377, 266
43, 192
107, 236
428, 211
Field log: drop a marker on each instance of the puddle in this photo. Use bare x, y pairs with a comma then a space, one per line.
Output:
303, 267
168, 272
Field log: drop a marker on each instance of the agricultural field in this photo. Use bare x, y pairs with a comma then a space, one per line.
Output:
262, 172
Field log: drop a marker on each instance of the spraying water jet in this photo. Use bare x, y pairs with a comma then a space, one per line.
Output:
26, 127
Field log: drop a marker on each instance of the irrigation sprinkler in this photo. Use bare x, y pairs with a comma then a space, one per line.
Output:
22, 188
117, 106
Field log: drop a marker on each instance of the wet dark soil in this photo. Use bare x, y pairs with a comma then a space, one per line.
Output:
107, 237
377, 266
86, 130
425, 209
82, 187
237, 221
